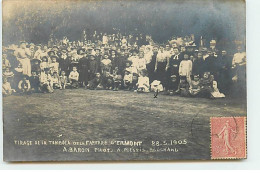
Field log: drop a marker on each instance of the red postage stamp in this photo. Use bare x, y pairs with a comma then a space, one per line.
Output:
228, 137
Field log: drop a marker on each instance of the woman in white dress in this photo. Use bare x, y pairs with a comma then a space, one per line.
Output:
22, 55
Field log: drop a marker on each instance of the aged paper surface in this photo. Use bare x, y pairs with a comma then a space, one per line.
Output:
124, 80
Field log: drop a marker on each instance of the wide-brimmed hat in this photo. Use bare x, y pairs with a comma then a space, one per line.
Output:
50, 53
191, 45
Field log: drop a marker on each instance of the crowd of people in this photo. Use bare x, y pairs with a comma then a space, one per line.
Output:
123, 62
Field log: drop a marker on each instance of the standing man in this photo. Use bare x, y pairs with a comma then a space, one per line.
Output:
224, 72
239, 71
173, 68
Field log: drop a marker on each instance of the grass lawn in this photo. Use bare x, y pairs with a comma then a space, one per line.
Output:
80, 115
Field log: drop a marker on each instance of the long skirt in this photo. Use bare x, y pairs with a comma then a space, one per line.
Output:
26, 65
161, 73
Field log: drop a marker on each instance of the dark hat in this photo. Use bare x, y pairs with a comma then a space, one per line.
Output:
183, 78
135, 74
127, 61
44, 57
90, 55
54, 46
54, 56
80, 51
35, 60
112, 50
134, 50
191, 45
50, 53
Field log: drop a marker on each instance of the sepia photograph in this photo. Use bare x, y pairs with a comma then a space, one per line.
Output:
124, 80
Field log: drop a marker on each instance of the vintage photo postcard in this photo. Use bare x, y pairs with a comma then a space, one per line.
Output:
102, 80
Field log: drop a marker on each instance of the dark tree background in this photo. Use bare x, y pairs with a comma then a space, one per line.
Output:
34, 21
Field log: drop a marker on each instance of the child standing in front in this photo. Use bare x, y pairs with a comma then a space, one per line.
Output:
54, 65
106, 65
63, 80
185, 68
